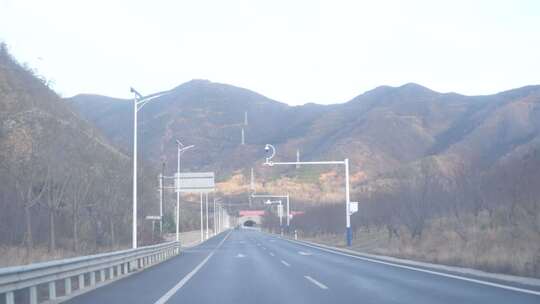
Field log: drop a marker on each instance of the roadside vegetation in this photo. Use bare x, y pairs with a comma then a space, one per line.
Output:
63, 190
485, 221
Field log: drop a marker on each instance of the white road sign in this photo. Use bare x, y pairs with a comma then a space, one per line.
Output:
194, 182
353, 207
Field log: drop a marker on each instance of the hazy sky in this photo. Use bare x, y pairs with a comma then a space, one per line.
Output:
291, 51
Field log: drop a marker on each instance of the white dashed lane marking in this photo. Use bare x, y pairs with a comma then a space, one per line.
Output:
317, 283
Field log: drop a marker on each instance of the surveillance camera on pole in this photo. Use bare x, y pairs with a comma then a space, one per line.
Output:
268, 162
270, 152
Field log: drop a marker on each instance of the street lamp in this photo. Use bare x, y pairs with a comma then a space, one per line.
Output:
180, 149
268, 162
139, 101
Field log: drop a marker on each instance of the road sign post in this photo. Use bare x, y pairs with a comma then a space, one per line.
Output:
196, 182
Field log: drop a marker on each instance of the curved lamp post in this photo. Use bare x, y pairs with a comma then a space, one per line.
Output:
139, 101
272, 152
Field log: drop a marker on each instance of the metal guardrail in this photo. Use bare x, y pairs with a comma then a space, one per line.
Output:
105, 267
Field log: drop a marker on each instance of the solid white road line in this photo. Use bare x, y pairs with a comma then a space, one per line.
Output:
442, 274
285, 263
319, 284
183, 282
271, 253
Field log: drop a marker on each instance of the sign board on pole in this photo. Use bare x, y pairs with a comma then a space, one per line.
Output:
353, 207
194, 182
280, 210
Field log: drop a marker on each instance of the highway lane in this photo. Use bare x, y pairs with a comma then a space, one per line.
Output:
242, 272
350, 278
149, 285
252, 267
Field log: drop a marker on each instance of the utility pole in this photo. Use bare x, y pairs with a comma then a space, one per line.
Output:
161, 198
178, 153
243, 129
252, 181
206, 198
288, 214
202, 221
160, 177
251, 185
217, 217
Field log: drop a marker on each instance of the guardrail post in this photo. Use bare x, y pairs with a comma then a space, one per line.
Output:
10, 297
67, 285
81, 281
33, 295
92, 278
102, 275
111, 273
52, 290
118, 272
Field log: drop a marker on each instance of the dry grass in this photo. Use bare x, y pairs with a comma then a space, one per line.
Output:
188, 238
474, 242
13, 256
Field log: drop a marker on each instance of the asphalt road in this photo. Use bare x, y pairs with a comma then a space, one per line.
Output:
244, 266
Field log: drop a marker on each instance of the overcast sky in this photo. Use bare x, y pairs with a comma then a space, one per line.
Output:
292, 51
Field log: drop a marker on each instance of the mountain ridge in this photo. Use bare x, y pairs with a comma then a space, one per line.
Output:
380, 130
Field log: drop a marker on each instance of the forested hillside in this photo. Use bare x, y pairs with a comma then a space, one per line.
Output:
63, 189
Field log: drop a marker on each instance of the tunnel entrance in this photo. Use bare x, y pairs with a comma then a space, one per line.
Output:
249, 223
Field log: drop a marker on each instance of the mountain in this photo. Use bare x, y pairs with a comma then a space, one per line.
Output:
385, 130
